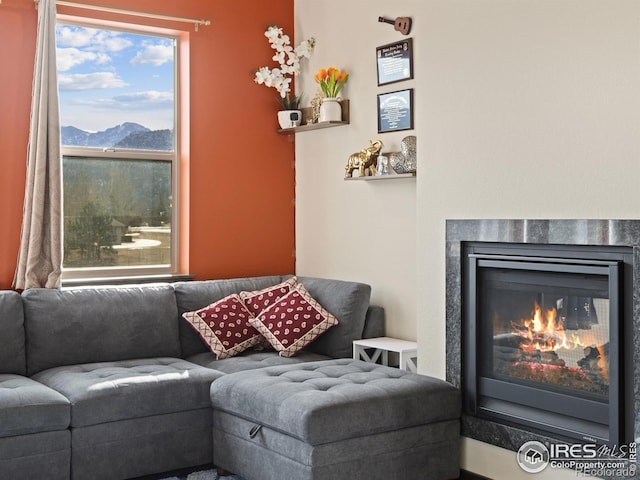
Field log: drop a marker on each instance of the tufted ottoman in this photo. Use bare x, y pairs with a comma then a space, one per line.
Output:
336, 419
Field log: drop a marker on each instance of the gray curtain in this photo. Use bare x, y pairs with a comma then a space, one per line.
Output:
40, 257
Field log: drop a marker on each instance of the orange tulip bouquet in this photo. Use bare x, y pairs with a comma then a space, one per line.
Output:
331, 80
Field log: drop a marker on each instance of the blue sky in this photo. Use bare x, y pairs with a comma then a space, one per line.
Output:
108, 77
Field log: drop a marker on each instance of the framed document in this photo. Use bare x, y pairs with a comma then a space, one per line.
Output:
395, 111
395, 62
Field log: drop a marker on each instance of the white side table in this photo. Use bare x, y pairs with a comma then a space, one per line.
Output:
407, 350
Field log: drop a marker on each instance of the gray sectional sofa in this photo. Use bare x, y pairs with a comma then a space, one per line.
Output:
112, 383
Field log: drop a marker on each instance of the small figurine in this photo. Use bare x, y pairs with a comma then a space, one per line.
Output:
405, 161
382, 168
365, 158
316, 101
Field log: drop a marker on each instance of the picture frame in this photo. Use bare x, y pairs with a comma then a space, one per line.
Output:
395, 111
395, 62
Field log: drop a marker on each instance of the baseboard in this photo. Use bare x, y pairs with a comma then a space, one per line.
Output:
464, 475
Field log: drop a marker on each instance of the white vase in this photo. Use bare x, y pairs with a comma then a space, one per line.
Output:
330, 110
289, 118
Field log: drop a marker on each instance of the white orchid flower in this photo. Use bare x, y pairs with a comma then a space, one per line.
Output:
262, 75
288, 59
279, 57
284, 86
273, 33
305, 48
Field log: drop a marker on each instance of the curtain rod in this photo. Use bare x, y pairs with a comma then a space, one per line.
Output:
197, 22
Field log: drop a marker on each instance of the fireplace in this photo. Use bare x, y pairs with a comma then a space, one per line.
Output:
541, 329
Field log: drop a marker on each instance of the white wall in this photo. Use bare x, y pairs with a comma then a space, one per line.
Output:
357, 230
524, 109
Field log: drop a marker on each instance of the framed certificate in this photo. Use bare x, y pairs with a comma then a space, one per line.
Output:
395, 62
395, 111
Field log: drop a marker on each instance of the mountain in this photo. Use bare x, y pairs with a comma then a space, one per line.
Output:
107, 138
73, 136
149, 140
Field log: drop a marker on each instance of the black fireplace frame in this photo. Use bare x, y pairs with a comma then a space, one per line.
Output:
546, 411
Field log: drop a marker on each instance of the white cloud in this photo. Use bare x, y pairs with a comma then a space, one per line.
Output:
145, 100
80, 45
89, 81
68, 36
67, 58
149, 100
155, 54
113, 42
91, 38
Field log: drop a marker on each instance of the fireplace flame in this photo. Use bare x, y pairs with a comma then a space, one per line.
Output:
544, 332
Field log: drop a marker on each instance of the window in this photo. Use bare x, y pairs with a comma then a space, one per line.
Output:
118, 101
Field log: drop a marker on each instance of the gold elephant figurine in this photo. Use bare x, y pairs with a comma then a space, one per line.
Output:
365, 158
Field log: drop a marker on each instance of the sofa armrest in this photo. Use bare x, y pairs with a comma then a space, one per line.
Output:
374, 322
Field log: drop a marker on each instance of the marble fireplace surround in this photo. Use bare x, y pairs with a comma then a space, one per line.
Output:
558, 232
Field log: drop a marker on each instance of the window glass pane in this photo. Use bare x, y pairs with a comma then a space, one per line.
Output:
117, 212
118, 93
117, 88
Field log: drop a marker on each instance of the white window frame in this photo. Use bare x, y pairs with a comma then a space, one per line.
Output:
110, 273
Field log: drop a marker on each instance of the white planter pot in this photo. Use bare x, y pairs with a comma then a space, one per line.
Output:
330, 110
289, 118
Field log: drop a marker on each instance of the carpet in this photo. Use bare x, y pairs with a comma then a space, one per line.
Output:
205, 475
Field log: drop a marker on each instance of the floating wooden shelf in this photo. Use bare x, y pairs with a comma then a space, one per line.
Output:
383, 177
307, 114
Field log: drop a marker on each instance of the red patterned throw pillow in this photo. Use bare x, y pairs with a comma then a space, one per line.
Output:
258, 300
224, 326
293, 322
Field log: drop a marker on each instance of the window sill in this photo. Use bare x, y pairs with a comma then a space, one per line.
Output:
127, 280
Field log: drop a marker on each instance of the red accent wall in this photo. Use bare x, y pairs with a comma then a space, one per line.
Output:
240, 170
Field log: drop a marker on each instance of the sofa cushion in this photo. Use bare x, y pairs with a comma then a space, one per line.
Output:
113, 391
348, 302
101, 324
251, 359
293, 321
191, 296
224, 326
27, 406
12, 351
37, 456
142, 447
